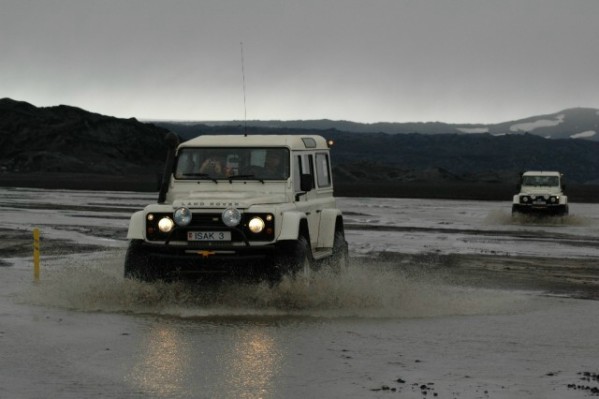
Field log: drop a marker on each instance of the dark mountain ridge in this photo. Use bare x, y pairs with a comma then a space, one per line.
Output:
66, 146
413, 157
575, 123
69, 139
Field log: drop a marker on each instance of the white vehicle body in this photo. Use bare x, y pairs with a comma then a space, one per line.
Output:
242, 217
541, 192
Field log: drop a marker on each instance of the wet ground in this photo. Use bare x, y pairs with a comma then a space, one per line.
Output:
449, 299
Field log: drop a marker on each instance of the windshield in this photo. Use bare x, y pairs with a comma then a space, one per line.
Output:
232, 163
540, 181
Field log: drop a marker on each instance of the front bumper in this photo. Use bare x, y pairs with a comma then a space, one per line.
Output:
211, 258
540, 209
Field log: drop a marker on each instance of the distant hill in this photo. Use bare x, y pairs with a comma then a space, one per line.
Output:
448, 157
68, 139
70, 147
575, 123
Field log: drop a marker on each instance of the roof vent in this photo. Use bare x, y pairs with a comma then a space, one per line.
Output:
309, 142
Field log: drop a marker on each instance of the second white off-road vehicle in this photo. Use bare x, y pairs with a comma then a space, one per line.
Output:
256, 205
541, 193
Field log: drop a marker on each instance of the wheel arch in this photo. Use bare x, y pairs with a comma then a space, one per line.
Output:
516, 199
136, 226
293, 225
331, 221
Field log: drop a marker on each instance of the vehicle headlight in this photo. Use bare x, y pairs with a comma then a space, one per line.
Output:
166, 224
524, 199
256, 225
182, 216
231, 217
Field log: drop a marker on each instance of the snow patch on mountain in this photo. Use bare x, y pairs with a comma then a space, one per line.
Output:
473, 129
584, 135
529, 126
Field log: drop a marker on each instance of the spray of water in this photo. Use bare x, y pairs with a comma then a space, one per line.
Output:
501, 217
364, 290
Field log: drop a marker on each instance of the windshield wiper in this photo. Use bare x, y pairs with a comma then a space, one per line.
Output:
200, 176
235, 177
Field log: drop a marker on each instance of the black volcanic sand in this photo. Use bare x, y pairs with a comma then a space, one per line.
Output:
81, 181
482, 191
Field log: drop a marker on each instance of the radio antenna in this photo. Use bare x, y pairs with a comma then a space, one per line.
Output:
245, 115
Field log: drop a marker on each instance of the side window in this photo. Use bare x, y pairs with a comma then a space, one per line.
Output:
323, 176
310, 169
297, 170
303, 165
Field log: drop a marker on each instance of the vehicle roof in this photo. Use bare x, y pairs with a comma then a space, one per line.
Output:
541, 173
294, 142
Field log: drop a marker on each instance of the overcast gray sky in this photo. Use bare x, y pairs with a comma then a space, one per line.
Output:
455, 61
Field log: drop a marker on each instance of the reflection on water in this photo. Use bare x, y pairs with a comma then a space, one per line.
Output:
171, 365
251, 365
163, 364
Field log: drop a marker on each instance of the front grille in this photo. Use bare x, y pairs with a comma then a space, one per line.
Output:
539, 200
207, 220
210, 222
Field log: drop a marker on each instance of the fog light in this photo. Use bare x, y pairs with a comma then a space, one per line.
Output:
166, 225
182, 216
231, 217
256, 225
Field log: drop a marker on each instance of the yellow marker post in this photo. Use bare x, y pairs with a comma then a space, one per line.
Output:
36, 254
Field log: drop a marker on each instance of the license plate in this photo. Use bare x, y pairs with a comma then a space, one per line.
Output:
208, 236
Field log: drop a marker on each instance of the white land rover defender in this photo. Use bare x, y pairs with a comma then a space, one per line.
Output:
541, 193
256, 205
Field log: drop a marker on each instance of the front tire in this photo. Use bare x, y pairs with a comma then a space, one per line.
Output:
293, 258
138, 265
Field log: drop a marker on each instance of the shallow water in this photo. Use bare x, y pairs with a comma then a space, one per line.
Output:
404, 311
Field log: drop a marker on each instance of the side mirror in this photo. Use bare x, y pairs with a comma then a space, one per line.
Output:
306, 182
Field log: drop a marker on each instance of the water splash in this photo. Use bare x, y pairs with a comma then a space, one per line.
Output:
364, 290
501, 217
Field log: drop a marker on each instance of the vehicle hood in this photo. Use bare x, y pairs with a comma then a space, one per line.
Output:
226, 200
540, 190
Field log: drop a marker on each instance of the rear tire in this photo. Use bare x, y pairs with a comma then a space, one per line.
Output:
340, 257
302, 265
